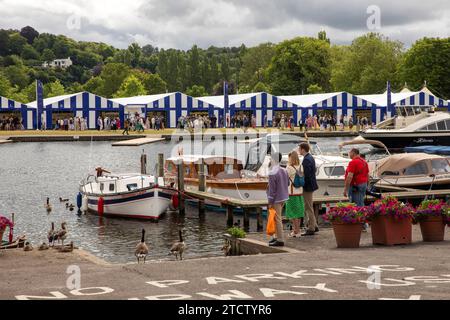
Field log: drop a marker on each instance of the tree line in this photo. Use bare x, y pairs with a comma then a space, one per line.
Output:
302, 65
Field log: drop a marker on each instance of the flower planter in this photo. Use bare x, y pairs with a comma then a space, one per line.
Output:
387, 230
348, 235
433, 229
1, 234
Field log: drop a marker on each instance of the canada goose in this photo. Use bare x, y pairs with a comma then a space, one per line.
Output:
68, 248
51, 235
226, 248
141, 250
178, 247
28, 247
43, 247
48, 206
61, 235
71, 207
63, 200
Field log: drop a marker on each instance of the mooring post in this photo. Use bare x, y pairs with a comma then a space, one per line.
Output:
259, 219
143, 163
161, 165
230, 221
201, 186
246, 219
180, 183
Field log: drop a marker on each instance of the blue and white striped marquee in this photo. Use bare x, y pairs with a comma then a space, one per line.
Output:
423, 98
174, 105
82, 104
11, 106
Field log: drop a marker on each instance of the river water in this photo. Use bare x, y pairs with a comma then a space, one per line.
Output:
31, 172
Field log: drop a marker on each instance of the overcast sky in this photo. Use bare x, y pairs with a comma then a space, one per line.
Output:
182, 23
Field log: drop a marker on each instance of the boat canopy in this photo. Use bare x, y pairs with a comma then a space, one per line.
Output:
439, 150
363, 141
399, 162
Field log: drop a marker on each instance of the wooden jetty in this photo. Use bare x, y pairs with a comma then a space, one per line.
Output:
137, 142
4, 141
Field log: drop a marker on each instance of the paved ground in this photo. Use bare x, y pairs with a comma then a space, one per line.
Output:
418, 271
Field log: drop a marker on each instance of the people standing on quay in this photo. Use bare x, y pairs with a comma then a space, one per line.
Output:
295, 206
126, 127
356, 178
277, 195
309, 168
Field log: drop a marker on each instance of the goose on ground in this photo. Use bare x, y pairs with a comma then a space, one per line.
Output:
51, 235
68, 248
141, 250
43, 247
28, 246
178, 247
48, 206
63, 200
61, 235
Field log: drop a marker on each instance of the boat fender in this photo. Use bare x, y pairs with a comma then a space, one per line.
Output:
79, 200
84, 204
175, 201
101, 205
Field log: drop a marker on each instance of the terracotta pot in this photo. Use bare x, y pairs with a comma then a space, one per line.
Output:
433, 229
1, 234
389, 231
347, 235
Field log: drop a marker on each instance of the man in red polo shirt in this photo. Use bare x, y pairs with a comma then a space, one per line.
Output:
356, 178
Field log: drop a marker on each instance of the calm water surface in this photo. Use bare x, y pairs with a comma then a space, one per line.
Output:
31, 172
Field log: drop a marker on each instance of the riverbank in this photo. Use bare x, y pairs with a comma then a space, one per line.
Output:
317, 271
168, 134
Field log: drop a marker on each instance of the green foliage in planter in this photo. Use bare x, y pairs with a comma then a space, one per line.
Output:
237, 232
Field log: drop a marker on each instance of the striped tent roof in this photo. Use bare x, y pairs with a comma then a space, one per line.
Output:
247, 100
337, 99
6, 103
406, 98
76, 99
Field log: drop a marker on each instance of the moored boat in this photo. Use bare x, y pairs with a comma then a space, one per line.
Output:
126, 195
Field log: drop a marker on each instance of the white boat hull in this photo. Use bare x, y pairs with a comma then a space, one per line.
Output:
147, 204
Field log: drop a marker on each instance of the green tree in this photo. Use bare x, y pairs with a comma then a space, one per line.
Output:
194, 67
254, 63
29, 33
29, 53
16, 43
48, 55
261, 87
153, 84
113, 75
366, 65
225, 68
298, 63
314, 88
196, 91
53, 89
17, 75
428, 60
322, 35
5, 86
130, 87
4, 43
94, 85
135, 52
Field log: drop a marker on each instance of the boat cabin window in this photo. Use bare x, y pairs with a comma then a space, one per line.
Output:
229, 168
132, 186
111, 187
390, 173
447, 124
417, 169
432, 127
441, 125
102, 187
335, 171
440, 166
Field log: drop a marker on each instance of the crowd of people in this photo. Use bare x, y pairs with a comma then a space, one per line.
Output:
197, 122
11, 123
284, 190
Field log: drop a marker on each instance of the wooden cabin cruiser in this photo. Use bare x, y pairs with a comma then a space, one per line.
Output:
412, 170
412, 129
126, 195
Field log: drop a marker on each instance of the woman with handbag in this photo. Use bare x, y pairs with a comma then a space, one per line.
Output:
295, 206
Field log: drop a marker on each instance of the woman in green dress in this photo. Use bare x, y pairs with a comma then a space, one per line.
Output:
295, 206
